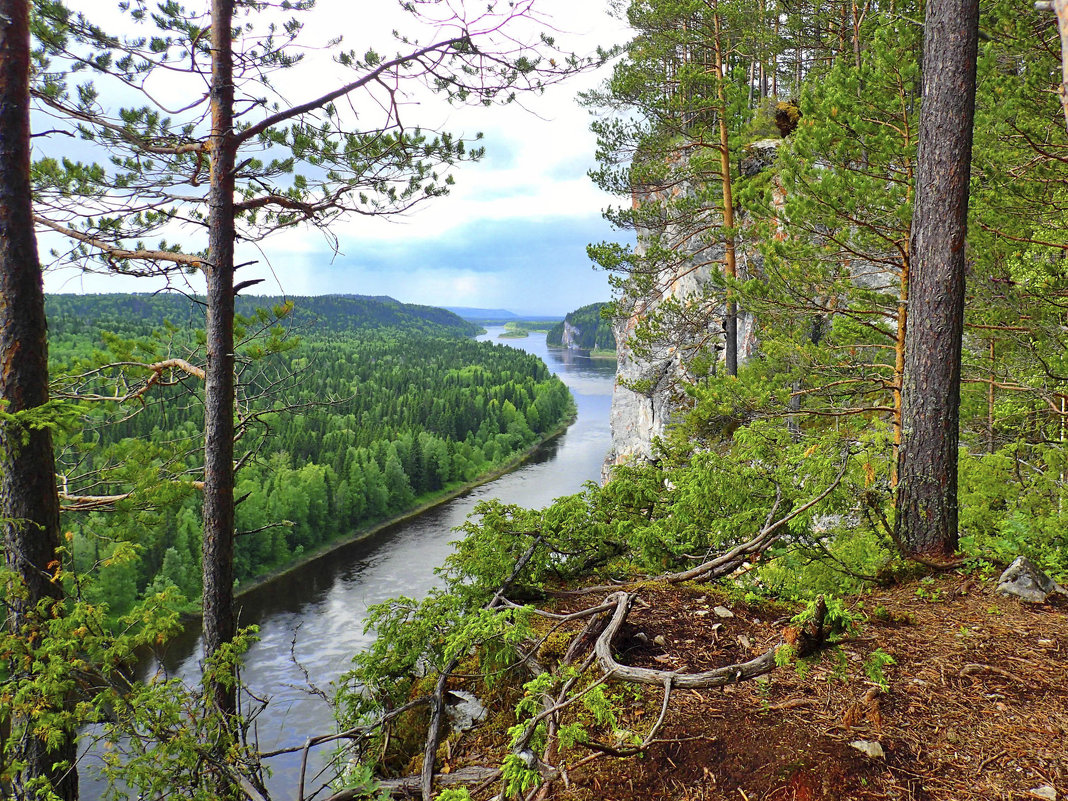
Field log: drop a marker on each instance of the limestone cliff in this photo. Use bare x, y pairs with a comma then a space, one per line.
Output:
676, 317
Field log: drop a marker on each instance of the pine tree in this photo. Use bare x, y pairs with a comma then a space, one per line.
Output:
926, 521
43, 761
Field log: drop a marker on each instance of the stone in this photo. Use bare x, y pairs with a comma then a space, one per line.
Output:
464, 710
1045, 791
758, 156
869, 748
1022, 579
722, 611
659, 640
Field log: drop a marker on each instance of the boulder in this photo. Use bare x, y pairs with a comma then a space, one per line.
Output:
464, 710
1022, 579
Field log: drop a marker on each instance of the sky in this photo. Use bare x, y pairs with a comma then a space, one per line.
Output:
512, 233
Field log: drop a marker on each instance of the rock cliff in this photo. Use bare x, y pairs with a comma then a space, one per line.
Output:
674, 319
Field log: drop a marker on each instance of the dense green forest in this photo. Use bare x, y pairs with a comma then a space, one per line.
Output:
358, 409
72, 315
593, 331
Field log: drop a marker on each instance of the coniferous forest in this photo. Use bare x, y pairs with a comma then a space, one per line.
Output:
355, 410
842, 397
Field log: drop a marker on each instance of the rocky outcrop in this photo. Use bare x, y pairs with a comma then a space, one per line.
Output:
658, 340
1024, 580
583, 329
570, 337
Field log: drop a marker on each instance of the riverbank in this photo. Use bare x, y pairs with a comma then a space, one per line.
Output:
442, 497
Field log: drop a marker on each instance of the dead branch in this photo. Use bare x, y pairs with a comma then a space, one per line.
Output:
156, 368
790, 703
114, 253
808, 642
973, 669
87, 503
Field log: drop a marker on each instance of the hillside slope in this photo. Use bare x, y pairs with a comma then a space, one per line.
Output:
324, 313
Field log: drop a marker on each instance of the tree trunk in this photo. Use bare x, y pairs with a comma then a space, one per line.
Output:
218, 598
730, 324
29, 505
927, 469
899, 365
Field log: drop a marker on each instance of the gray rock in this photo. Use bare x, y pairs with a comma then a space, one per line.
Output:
869, 748
722, 611
464, 710
1045, 791
759, 156
1023, 580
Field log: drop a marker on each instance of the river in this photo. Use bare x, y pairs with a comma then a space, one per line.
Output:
317, 613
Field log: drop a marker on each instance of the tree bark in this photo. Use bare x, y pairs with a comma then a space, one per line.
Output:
29, 503
927, 467
218, 597
730, 324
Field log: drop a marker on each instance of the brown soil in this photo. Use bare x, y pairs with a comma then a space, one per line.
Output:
976, 706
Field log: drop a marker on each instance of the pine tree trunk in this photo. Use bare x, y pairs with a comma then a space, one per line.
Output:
730, 324
926, 520
899, 364
29, 504
218, 598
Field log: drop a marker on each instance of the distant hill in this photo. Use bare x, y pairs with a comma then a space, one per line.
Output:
323, 313
584, 329
482, 315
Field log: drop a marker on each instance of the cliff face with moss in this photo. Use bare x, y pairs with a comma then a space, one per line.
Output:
670, 327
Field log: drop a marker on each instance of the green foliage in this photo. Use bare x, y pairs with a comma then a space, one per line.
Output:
837, 617
359, 780
874, 668
68, 672
371, 412
517, 777
1012, 503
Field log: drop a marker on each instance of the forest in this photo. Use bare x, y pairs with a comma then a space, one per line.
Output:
847, 228
358, 410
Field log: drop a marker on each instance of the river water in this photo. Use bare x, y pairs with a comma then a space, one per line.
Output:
316, 613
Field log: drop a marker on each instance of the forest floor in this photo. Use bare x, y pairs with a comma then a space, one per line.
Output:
975, 706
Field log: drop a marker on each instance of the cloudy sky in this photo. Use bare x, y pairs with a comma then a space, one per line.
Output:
513, 232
